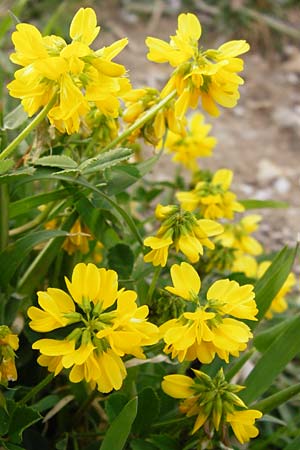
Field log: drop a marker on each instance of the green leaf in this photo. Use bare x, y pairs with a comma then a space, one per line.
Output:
105, 160
267, 404
22, 418
15, 118
148, 410
39, 266
14, 254
264, 339
273, 361
119, 430
27, 173
257, 204
114, 404
4, 421
164, 442
141, 444
26, 204
270, 283
121, 259
294, 445
122, 177
6, 165
61, 161
46, 402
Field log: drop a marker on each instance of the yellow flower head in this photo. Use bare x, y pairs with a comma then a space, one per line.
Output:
237, 235
103, 333
215, 403
207, 74
213, 198
9, 342
195, 143
182, 230
75, 75
208, 330
77, 239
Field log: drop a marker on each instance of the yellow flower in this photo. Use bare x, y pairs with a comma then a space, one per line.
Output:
77, 239
102, 335
207, 74
213, 198
242, 423
237, 235
9, 342
79, 77
192, 145
182, 230
215, 403
207, 331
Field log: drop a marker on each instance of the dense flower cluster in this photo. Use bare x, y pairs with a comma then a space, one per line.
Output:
182, 230
75, 75
214, 401
9, 343
208, 329
101, 335
212, 198
194, 143
210, 75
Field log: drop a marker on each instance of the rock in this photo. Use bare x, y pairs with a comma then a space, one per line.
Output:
282, 185
267, 171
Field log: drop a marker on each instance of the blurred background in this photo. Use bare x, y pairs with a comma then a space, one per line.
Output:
260, 138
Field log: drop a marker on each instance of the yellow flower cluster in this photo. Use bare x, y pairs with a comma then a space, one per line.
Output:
101, 334
9, 343
74, 74
210, 75
182, 230
194, 143
208, 329
237, 235
215, 403
212, 198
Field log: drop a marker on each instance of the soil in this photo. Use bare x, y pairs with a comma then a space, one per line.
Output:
258, 139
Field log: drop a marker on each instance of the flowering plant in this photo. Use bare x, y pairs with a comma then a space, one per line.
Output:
112, 334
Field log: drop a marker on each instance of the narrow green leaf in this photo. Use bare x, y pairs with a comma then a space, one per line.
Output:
270, 283
257, 204
39, 266
27, 173
14, 254
15, 118
122, 177
119, 430
273, 361
264, 339
114, 404
148, 410
26, 204
105, 160
61, 161
141, 444
267, 404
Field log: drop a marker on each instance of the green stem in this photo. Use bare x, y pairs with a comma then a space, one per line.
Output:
33, 223
153, 285
35, 390
4, 202
141, 121
33, 124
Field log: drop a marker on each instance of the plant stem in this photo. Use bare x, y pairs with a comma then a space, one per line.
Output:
153, 285
36, 389
141, 121
33, 223
33, 124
